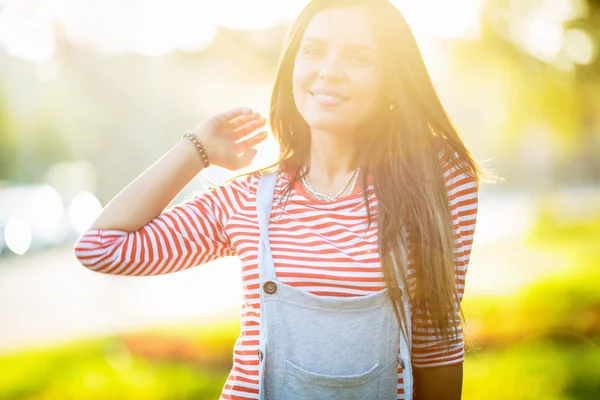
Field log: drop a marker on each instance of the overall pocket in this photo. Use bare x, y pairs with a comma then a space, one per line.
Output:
300, 384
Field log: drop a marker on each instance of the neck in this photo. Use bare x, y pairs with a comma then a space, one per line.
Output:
330, 161
330, 156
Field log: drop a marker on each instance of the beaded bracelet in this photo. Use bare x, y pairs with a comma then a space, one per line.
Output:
190, 135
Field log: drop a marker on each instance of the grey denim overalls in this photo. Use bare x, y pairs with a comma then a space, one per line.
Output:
324, 348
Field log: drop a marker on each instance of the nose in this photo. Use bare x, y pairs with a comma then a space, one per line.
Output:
331, 69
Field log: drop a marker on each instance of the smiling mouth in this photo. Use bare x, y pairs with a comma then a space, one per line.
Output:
326, 99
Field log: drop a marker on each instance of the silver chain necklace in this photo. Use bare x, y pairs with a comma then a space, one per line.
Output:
327, 197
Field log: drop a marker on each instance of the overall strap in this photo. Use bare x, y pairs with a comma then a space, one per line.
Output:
264, 202
266, 268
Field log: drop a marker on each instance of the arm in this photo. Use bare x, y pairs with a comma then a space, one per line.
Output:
438, 371
133, 236
149, 194
188, 234
439, 383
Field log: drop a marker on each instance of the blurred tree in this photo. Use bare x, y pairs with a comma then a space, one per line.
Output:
552, 50
589, 86
7, 143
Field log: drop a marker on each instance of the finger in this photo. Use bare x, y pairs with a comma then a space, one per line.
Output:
248, 128
242, 120
236, 112
245, 159
246, 144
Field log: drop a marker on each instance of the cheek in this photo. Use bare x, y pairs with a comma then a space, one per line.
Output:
300, 81
365, 89
297, 93
371, 86
367, 96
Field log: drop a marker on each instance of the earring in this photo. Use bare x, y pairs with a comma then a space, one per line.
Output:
392, 101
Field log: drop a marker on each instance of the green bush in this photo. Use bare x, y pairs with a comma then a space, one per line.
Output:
163, 364
535, 369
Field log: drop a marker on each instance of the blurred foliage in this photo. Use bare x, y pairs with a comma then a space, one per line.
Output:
7, 141
543, 343
533, 116
174, 363
577, 238
539, 369
562, 303
565, 304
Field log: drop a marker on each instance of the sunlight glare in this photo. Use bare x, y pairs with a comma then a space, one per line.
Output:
257, 14
164, 26
26, 38
459, 19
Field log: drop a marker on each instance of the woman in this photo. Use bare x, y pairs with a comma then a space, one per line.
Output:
354, 245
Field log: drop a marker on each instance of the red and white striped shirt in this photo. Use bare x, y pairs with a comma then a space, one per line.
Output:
323, 247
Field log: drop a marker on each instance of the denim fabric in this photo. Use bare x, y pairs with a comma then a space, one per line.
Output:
324, 348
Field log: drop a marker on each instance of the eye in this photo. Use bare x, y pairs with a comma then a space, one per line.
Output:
311, 51
360, 59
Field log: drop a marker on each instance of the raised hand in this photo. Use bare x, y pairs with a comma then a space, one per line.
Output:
223, 137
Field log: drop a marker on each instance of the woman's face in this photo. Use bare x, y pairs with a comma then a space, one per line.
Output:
337, 76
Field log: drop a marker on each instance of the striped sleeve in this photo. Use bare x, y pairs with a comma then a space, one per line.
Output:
186, 235
427, 351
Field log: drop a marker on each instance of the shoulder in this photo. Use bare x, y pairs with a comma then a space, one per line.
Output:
458, 172
246, 184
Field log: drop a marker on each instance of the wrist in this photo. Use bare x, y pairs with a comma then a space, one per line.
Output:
200, 148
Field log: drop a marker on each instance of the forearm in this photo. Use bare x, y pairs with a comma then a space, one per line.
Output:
150, 193
439, 383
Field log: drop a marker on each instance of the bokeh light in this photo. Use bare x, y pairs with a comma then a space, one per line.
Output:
47, 211
17, 235
83, 210
544, 38
580, 46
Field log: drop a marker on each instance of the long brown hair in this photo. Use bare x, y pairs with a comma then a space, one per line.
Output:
402, 147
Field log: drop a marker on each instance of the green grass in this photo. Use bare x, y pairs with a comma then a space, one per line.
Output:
543, 343
578, 240
565, 302
568, 300
173, 363
533, 368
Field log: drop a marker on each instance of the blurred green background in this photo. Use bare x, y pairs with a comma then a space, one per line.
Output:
91, 93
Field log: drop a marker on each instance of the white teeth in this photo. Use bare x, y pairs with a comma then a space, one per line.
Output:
327, 97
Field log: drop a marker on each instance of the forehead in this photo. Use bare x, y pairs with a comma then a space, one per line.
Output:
341, 26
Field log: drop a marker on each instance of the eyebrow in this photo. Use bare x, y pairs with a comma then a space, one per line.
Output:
354, 45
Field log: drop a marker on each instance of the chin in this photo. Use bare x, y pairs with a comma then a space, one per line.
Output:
328, 122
